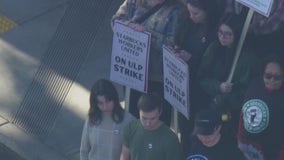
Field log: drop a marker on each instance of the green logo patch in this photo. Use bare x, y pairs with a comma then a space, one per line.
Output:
255, 116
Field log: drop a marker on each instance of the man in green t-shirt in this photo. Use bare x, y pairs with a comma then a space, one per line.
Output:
149, 138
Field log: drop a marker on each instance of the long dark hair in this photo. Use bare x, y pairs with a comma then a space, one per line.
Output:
235, 22
104, 88
218, 51
209, 7
273, 58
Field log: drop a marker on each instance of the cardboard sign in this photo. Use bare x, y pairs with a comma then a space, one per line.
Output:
261, 6
176, 81
129, 61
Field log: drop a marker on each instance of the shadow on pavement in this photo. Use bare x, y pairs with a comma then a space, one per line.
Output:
7, 154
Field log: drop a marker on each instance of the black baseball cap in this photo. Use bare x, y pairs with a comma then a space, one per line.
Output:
206, 121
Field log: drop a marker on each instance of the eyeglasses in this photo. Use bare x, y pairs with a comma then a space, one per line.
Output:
270, 76
225, 34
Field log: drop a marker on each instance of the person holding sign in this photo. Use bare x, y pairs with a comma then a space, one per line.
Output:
102, 135
215, 68
164, 19
149, 138
208, 142
261, 132
200, 32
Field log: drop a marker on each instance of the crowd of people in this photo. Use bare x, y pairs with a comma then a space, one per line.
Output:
230, 118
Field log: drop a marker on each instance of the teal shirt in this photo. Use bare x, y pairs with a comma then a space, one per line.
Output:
160, 144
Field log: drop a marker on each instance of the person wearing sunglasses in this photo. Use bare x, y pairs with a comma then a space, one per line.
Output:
261, 132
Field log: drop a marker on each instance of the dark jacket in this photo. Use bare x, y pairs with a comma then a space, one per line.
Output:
267, 133
215, 69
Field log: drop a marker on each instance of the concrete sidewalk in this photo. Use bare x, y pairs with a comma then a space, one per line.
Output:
25, 146
48, 63
6, 153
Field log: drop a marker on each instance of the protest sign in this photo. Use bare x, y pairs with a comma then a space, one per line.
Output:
176, 81
261, 6
129, 61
